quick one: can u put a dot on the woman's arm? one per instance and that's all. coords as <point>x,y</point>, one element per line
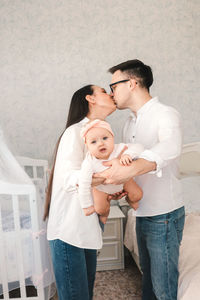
<point>69,158</point>
<point>84,185</point>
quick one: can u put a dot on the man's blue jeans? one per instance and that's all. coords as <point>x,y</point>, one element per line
<point>158,240</point>
<point>74,269</point>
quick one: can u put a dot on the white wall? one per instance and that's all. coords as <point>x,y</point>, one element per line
<point>50,48</point>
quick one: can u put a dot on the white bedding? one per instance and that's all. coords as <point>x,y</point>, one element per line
<point>189,261</point>
<point>8,220</point>
<point>9,236</point>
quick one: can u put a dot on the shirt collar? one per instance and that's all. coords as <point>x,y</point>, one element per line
<point>84,120</point>
<point>145,107</point>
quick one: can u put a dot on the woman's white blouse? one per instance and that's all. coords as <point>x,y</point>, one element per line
<point>67,221</point>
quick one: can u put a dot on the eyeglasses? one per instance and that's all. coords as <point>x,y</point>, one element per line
<point>112,84</point>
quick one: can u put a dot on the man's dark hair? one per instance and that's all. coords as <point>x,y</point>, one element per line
<point>136,69</point>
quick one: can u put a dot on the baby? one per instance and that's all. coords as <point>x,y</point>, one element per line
<point>99,139</point>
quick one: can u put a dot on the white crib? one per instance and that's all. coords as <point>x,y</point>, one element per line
<point>24,257</point>
<point>16,240</point>
<point>36,169</point>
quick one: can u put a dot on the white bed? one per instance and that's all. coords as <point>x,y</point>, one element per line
<point>189,260</point>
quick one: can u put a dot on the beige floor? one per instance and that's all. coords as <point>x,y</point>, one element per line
<point>109,285</point>
<point>118,284</point>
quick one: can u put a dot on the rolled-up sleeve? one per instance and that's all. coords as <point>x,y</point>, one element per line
<point>169,143</point>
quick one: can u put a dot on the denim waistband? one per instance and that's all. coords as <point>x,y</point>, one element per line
<point>177,213</point>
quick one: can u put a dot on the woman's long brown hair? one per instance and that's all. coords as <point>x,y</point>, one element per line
<point>78,110</point>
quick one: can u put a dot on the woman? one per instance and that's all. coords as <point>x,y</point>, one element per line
<point>74,237</point>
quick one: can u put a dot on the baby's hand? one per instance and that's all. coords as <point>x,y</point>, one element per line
<point>125,160</point>
<point>89,210</point>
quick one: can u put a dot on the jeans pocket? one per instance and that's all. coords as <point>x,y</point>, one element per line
<point>179,225</point>
<point>161,219</point>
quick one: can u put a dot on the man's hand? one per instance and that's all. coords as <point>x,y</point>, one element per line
<point>118,174</point>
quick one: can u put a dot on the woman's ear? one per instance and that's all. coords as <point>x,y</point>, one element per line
<point>90,98</point>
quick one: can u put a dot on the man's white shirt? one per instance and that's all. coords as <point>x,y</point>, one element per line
<point>158,128</point>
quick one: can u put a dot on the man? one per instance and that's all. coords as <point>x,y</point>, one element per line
<point>160,216</point>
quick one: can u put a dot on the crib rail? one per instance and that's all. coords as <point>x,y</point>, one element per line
<point>37,170</point>
<point>17,236</point>
<point>3,269</point>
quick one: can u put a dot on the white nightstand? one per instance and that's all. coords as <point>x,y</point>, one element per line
<point>111,256</point>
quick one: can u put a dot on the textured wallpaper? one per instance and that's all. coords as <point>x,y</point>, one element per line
<point>48,49</point>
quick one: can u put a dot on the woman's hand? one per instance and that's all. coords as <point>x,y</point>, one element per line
<point>89,210</point>
<point>117,196</point>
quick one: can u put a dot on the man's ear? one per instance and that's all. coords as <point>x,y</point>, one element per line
<point>90,98</point>
<point>133,83</point>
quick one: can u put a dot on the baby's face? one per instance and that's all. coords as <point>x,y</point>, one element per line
<point>100,142</point>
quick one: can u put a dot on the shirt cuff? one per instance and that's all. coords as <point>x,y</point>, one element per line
<point>86,201</point>
<point>153,157</point>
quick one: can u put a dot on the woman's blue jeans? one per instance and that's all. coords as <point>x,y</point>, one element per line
<point>74,269</point>
<point>159,238</point>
